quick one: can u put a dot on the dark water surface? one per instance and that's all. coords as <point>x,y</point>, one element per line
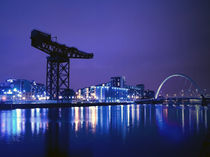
<point>123,130</point>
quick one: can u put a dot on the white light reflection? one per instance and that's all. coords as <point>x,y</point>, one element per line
<point>138,119</point>
<point>101,118</point>
<point>12,123</point>
<point>121,111</point>
<point>105,119</point>
<point>76,119</point>
<point>205,117</point>
<point>182,118</point>
<point>197,117</point>
<point>128,115</point>
<point>38,120</point>
<point>81,113</point>
<point>145,114</point>
<point>19,121</point>
<point>93,117</point>
<point>109,113</point>
<point>132,113</point>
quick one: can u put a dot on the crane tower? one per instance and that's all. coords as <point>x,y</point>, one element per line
<point>58,62</point>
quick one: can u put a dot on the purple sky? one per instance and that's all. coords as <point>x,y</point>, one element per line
<point>143,40</point>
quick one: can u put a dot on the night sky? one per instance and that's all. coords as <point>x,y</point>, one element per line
<point>144,40</point>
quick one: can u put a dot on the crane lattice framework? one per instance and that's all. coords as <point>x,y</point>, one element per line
<point>58,62</point>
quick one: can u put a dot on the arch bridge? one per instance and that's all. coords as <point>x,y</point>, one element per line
<point>177,75</point>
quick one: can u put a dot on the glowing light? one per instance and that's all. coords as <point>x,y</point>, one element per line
<point>10,80</point>
<point>4,98</point>
<point>9,92</point>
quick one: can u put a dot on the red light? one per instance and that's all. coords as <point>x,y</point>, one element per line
<point>4,98</point>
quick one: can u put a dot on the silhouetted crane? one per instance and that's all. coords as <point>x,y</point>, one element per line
<point>58,64</point>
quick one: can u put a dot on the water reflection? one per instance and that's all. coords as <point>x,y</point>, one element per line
<point>16,123</point>
<point>190,119</point>
<point>170,120</point>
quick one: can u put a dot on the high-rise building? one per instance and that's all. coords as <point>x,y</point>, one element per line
<point>118,81</point>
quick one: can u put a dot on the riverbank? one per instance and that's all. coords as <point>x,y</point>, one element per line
<point>55,105</point>
<point>58,104</point>
<point>64,104</point>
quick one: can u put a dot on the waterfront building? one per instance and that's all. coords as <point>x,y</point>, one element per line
<point>113,91</point>
<point>102,93</point>
<point>21,89</point>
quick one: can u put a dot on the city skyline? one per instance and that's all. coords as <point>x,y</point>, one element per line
<point>104,78</point>
<point>145,42</point>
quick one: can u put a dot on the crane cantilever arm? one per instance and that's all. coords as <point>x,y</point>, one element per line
<point>43,42</point>
<point>75,53</point>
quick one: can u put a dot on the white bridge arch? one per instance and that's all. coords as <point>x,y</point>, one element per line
<point>177,75</point>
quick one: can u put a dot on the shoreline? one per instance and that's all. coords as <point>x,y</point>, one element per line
<point>10,106</point>
<point>27,105</point>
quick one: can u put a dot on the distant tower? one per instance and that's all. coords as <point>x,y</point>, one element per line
<point>118,81</point>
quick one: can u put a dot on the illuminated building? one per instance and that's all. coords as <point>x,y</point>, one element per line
<point>113,91</point>
<point>20,89</point>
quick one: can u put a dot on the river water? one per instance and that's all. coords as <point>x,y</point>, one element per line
<point>122,130</point>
